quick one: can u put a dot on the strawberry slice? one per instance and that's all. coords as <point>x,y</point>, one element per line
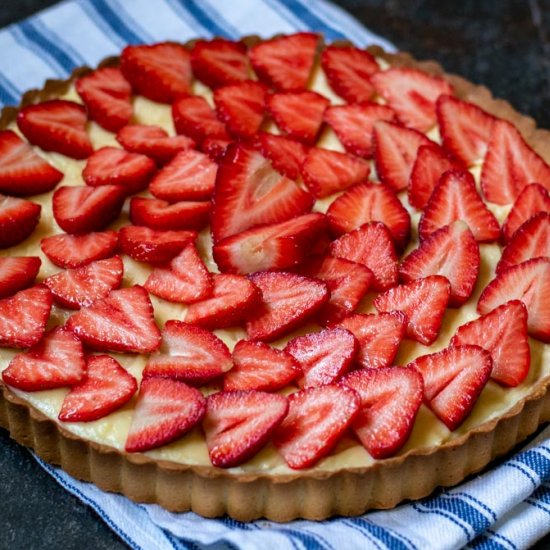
<point>190,354</point>
<point>106,94</point>
<point>114,166</point>
<point>166,409</point>
<point>503,333</point>
<point>83,209</point>
<point>528,282</point>
<point>317,419</point>
<point>17,273</point>
<point>395,149</point>
<point>57,125</point>
<point>260,367</point>
<point>22,171</point>
<point>510,164</point>
<point>70,251</point>
<point>18,219</point>
<point>190,176</point>
<point>105,389</point>
<point>453,380</point>
<point>23,317</point>
<point>214,148</point>
<point>270,60</point>
<point>348,71</point>
<point>75,288</point>
<point>324,357</point>
<point>286,155</point>
<point>412,94</point>
<point>372,246</point>
<point>163,216</point>
<point>238,424</point>
<point>326,172</point>
<point>455,198</point>
<point>379,336</point>
<point>193,117</point>
<point>57,360</point>
<point>287,300</point>
<point>160,72</point>
<point>123,321</point>
<point>452,252</point>
<point>353,125</point>
<point>390,400</point>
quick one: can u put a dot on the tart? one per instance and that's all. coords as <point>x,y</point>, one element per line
<point>237,286</point>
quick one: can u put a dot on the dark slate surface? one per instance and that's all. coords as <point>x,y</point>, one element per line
<point>504,45</point>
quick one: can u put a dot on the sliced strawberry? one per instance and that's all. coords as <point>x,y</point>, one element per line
<point>193,117</point>
<point>395,149</point>
<point>286,155</point>
<point>83,209</point>
<point>326,172</point>
<point>238,424</point>
<point>287,300</point>
<point>510,164</point>
<point>285,63</point>
<point>260,367</point>
<point>75,288</point>
<point>106,94</point>
<point>57,125</point>
<point>160,72</point>
<point>317,419</point>
<point>57,360</point>
<point>190,354</point>
<point>528,282</point>
<point>166,409</point>
<point>390,400</point>
<point>412,94</point>
<point>121,322</point>
<point>70,251</point>
<point>451,251</point>
<point>453,380</point>
<point>18,219</point>
<point>455,198</point>
<point>22,171</point>
<point>163,216</point>
<point>105,389</point>
<point>17,273</point>
<point>372,246</point>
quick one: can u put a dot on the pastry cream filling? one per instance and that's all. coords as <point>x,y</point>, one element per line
<point>191,449</point>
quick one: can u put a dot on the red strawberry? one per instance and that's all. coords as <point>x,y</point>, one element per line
<point>238,424</point>
<point>165,410</point>
<point>503,333</point>
<point>287,300</point>
<point>390,400</point>
<point>395,149</point>
<point>193,117</point>
<point>72,251</point>
<point>106,94</point>
<point>412,94</point>
<point>105,389</point>
<point>510,164</point>
<point>22,171</point>
<point>285,63</point>
<point>453,380</point>
<point>57,125</point>
<point>114,166</point>
<point>214,148</point>
<point>190,354</point>
<point>451,251</point>
<point>379,336</point>
<point>160,72</point>
<point>260,367</point>
<point>83,209</point>
<point>17,273</point>
<point>74,288</point>
<point>286,155</point>
<point>528,282</point>
<point>348,71</point>
<point>18,219</point>
<point>455,198</point>
<point>317,419</point>
<point>326,172</point>
<point>190,175</point>
<point>57,360</point>
<point>163,216</point>
<point>372,246</point>
<point>353,125</point>
<point>123,321</point>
